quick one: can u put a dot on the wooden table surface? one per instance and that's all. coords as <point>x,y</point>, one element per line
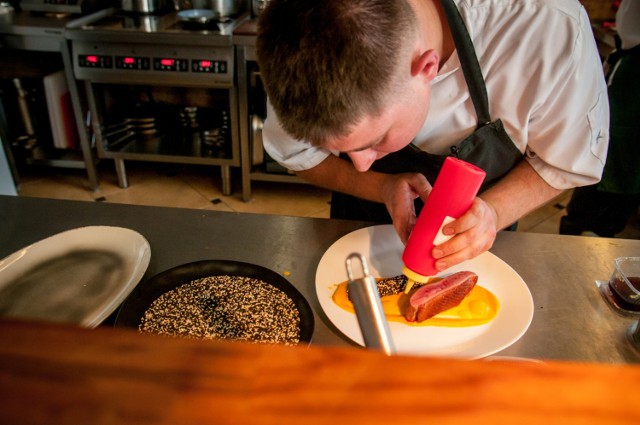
<point>59,374</point>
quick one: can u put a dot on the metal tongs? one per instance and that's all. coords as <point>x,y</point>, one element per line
<point>364,295</point>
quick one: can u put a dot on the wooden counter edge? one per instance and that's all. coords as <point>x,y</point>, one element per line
<point>59,374</point>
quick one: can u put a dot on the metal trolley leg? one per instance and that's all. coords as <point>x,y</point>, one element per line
<point>123,181</point>
<point>226,180</point>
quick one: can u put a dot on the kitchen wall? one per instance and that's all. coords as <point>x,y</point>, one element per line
<point>600,10</point>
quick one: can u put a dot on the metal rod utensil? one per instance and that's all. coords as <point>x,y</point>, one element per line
<point>365,297</point>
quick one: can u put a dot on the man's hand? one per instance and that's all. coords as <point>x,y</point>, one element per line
<point>475,231</point>
<point>519,192</point>
<point>399,192</point>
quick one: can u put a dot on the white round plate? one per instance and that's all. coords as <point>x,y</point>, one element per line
<point>79,276</point>
<point>383,249</point>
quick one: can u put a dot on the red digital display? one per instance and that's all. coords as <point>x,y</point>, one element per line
<point>95,61</point>
<point>206,64</point>
<point>129,61</point>
<point>167,62</point>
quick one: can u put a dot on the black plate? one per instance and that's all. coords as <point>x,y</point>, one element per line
<point>140,299</point>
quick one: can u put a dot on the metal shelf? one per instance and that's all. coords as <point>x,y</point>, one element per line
<point>59,158</point>
<point>180,148</point>
<point>183,146</point>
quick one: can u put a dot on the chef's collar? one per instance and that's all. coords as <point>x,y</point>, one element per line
<point>450,66</point>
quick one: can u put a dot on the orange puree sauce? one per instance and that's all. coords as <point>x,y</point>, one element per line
<point>478,308</point>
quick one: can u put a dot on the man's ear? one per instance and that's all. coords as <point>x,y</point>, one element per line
<point>426,64</point>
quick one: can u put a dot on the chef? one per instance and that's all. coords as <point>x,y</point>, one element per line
<point>367,97</point>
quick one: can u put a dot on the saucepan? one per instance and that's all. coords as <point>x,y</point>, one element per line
<point>134,308</point>
<point>257,6</point>
<point>147,6</point>
<point>198,16</point>
<point>223,8</point>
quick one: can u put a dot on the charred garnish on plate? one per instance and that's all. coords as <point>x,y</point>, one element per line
<point>391,285</point>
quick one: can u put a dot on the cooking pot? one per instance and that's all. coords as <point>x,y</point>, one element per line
<point>198,16</point>
<point>257,6</point>
<point>224,8</point>
<point>142,21</point>
<point>147,6</point>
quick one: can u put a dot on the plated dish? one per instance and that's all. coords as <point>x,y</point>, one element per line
<point>138,303</point>
<point>383,249</point>
<point>79,276</point>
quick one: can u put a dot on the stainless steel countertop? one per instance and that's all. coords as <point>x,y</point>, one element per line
<point>571,321</point>
<point>24,31</point>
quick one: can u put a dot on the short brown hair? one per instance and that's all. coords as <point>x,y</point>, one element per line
<point>328,63</point>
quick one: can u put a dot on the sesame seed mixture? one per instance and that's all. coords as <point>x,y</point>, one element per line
<point>392,285</point>
<point>225,307</point>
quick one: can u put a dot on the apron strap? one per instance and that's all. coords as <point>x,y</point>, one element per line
<point>469,61</point>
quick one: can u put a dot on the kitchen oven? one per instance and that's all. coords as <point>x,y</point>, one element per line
<point>160,88</point>
<point>256,163</point>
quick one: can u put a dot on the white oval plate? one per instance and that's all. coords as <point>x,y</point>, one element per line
<point>79,276</point>
<point>383,249</point>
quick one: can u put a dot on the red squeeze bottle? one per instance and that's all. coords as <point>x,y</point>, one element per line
<point>452,195</point>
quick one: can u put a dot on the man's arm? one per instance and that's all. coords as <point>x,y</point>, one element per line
<point>518,193</point>
<point>521,191</point>
<point>339,175</point>
<point>396,191</point>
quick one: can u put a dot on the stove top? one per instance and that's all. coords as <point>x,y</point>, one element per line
<point>23,22</point>
<point>114,47</point>
<point>151,23</point>
<point>79,7</point>
<point>117,26</point>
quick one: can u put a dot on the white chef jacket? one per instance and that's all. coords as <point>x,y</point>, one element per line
<point>628,23</point>
<point>544,80</point>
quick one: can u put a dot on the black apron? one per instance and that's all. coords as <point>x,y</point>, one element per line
<point>489,147</point>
